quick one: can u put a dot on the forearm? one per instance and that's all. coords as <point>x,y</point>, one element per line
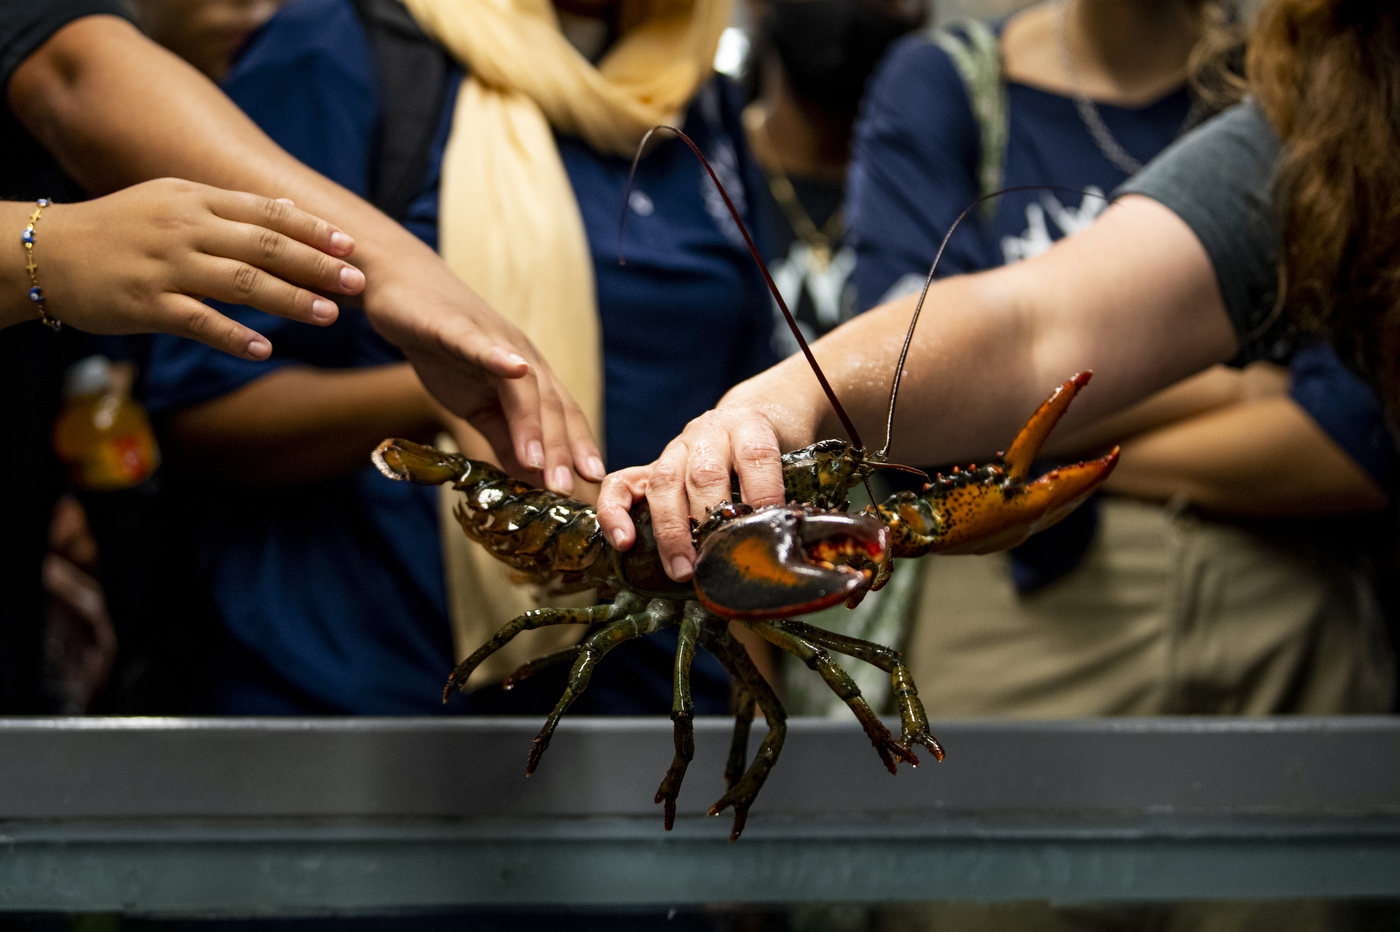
<point>298,425</point>
<point>111,125</point>
<point>990,347</point>
<point>1262,459</point>
<point>1216,388</point>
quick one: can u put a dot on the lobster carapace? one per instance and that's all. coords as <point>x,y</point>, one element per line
<point>761,567</point>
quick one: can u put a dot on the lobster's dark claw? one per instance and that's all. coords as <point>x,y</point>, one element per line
<point>784,560</point>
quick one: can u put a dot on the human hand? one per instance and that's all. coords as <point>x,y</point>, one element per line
<point>141,259</point>
<point>483,369</point>
<point>693,474</point>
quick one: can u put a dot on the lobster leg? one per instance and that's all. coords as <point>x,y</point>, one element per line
<point>912,717</point>
<point>536,618</point>
<point>743,790</point>
<point>658,614</point>
<point>890,750</point>
<point>739,743</point>
<point>683,714</point>
<point>530,668</point>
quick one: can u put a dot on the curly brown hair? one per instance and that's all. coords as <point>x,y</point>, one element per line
<point>1327,74</point>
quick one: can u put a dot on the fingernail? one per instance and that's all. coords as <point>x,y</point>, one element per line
<point>596,467</point>
<point>563,482</point>
<point>351,278</point>
<point>287,200</point>
<point>535,454</point>
<point>341,242</point>
<point>324,311</point>
<point>259,348</point>
<point>516,360</point>
<point>617,538</point>
<point>680,568</point>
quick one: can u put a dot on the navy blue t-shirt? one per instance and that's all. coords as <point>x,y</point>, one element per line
<point>915,168</point>
<point>333,593</point>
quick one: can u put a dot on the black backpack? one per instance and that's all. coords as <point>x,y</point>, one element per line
<point>411,76</point>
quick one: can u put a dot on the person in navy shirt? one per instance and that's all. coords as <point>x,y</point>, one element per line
<point>326,579</point>
<point>926,147</point>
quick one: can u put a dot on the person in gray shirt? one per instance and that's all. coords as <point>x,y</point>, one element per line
<point>1180,273</point>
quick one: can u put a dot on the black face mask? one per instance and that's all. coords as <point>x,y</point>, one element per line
<point>830,47</point>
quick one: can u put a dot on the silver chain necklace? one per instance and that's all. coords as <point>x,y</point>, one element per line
<point>1089,113</point>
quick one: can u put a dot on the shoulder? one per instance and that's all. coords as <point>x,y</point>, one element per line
<point>27,24</point>
<point>1219,180</point>
<point>308,35</point>
<point>1233,153</point>
<point>920,66</point>
<point>918,92</point>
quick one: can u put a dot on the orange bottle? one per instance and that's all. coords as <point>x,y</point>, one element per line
<point>102,434</point>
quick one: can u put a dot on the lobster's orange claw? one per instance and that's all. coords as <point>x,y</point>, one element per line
<point>784,560</point>
<point>1029,441</point>
<point>989,508</point>
<point>987,516</point>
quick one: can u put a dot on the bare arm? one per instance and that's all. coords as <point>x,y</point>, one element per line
<point>1133,298</point>
<point>1216,388</point>
<point>115,109</point>
<point>300,424</point>
<point>1264,458</point>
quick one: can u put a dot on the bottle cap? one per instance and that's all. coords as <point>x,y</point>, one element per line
<point>88,377</point>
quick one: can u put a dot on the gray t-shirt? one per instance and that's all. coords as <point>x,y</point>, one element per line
<point>1219,179</point>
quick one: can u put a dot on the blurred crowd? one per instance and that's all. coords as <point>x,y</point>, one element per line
<point>190,530</point>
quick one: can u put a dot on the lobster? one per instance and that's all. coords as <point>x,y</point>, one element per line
<point>760,567</point>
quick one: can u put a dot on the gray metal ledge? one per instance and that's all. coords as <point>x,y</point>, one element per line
<point>282,816</point>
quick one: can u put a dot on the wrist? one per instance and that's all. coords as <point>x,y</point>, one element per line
<point>26,225</point>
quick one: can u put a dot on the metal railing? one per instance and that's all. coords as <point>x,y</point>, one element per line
<point>266,816</point>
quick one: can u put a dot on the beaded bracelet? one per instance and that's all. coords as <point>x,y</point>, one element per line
<point>36,294</point>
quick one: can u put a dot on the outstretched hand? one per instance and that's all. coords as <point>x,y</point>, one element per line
<point>483,369</point>
<point>693,474</point>
<point>140,261</point>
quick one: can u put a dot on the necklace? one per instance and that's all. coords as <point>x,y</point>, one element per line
<point>821,243</point>
<point>1089,113</point>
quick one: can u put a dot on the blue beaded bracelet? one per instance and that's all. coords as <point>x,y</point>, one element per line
<point>36,294</point>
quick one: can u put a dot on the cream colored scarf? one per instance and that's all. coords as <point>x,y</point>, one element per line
<point>510,225</point>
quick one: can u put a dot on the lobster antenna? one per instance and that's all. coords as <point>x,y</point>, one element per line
<point>909,336</point>
<point>762,267</point>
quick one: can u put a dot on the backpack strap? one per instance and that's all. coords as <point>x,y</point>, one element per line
<point>976,54</point>
<point>411,76</point>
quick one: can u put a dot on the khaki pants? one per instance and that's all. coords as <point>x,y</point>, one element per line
<point>1167,614</point>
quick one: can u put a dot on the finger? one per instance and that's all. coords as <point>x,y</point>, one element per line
<point>620,491</point>
<point>494,428</point>
<point>759,463</point>
<point>282,216</point>
<point>237,282</point>
<point>520,405</point>
<point>504,362</point>
<point>707,473</point>
<point>183,316</point>
<point>558,458</point>
<point>588,459</point>
<point>670,511</point>
<point>281,255</point>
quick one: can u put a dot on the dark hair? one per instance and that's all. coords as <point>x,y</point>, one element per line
<point>1327,74</point>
